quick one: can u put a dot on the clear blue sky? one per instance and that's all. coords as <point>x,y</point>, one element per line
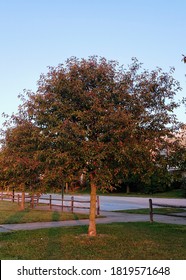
<point>35,34</point>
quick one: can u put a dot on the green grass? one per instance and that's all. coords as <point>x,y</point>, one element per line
<point>177,193</point>
<point>163,211</point>
<point>11,214</point>
<point>119,241</point>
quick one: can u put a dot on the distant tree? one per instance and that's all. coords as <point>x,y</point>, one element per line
<point>184,58</point>
<point>178,159</point>
<point>102,120</point>
<point>20,166</point>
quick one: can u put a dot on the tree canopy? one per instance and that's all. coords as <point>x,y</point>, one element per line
<point>20,164</point>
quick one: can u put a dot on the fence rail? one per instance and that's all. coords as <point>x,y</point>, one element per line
<point>151,209</point>
<point>35,200</point>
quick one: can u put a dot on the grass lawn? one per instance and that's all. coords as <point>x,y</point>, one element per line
<point>10,214</point>
<point>163,211</point>
<point>177,193</point>
<point>122,241</point>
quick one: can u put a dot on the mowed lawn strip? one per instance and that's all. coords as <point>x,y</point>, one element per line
<point>162,211</point>
<point>10,213</point>
<point>122,241</point>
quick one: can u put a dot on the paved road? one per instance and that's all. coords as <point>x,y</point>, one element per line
<point>112,203</point>
<point>124,203</point>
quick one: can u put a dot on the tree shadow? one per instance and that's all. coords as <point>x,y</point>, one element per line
<point>16,217</point>
<point>55,216</point>
<point>75,216</point>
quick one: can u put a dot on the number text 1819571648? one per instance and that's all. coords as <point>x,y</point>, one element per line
<point>140,270</point>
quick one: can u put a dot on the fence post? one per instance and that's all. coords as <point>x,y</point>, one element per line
<point>32,201</point>
<point>150,210</point>
<point>72,204</point>
<point>62,204</point>
<point>13,194</point>
<point>50,201</point>
<point>37,199</point>
<point>98,206</point>
<point>18,198</point>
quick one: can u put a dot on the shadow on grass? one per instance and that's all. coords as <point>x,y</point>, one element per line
<point>75,216</point>
<point>55,216</point>
<point>16,217</point>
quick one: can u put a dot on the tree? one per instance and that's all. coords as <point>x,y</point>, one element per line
<point>178,158</point>
<point>20,166</point>
<point>101,119</point>
<point>184,58</point>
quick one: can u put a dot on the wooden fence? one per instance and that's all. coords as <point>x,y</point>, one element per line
<point>65,204</point>
<point>151,209</point>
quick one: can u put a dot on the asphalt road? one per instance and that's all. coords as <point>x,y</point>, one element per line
<point>111,203</point>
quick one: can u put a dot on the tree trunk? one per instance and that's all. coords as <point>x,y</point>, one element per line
<point>92,216</point>
<point>23,201</point>
<point>128,189</point>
